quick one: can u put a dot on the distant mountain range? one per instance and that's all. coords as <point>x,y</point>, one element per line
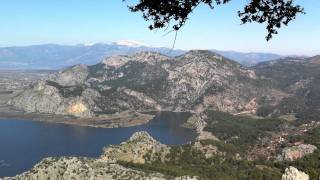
<point>52,56</point>
<point>248,59</point>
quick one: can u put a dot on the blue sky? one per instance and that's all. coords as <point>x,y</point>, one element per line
<point>26,22</point>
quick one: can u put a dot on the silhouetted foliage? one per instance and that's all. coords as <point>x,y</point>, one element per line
<point>274,13</point>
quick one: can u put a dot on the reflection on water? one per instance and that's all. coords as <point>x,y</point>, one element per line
<point>23,143</point>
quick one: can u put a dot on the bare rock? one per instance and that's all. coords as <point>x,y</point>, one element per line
<point>198,123</point>
<point>40,98</point>
<point>143,98</point>
<point>206,135</point>
<point>195,122</point>
<point>46,98</point>
<point>82,168</point>
<point>140,148</point>
<point>78,108</point>
<point>72,76</point>
<point>296,152</point>
<point>208,150</point>
<point>293,173</point>
<point>148,57</point>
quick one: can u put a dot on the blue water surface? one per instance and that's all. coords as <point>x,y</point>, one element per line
<point>23,143</point>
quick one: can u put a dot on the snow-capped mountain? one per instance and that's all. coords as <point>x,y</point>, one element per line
<point>130,43</point>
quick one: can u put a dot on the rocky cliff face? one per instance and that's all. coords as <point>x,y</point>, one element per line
<point>106,167</point>
<point>147,81</point>
<point>43,97</point>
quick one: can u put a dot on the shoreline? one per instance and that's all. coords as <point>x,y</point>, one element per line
<point>117,120</point>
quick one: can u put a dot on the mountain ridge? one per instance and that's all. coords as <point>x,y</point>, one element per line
<point>54,56</point>
<point>299,78</point>
<point>147,81</point>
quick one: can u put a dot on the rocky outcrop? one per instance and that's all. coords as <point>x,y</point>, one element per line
<point>43,97</point>
<point>296,152</point>
<point>75,75</point>
<point>140,148</point>
<point>198,123</point>
<point>195,122</point>
<point>206,135</point>
<point>148,57</point>
<point>40,98</point>
<point>293,173</point>
<point>147,81</point>
<point>143,98</point>
<point>208,150</point>
<point>82,168</point>
<point>106,167</point>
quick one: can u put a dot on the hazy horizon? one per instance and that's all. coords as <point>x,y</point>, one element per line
<point>147,45</point>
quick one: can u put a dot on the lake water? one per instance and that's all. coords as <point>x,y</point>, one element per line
<point>23,143</point>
